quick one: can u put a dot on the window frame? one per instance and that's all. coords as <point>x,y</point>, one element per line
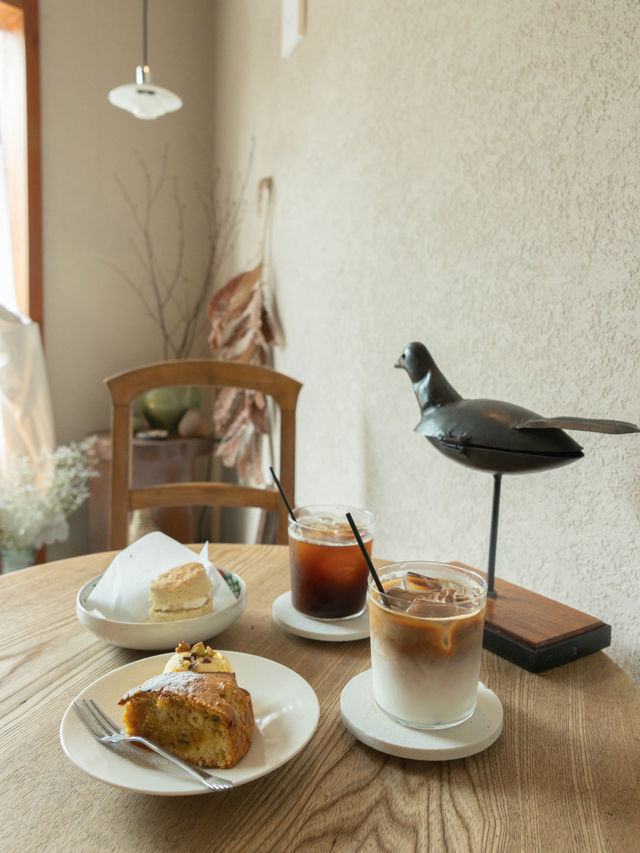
<point>31,23</point>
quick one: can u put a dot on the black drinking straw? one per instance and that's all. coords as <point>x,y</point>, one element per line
<point>365,553</point>
<point>281,490</point>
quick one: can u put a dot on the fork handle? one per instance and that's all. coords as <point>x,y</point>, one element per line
<point>213,782</point>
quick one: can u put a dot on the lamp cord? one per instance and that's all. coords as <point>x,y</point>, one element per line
<point>144,33</point>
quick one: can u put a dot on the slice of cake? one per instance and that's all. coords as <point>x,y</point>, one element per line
<point>202,717</point>
<point>181,593</point>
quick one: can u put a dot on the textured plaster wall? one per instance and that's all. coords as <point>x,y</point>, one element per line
<point>464,174</point>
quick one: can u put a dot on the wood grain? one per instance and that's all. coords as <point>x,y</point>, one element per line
<point>534,619</point>
<point>563,776</point>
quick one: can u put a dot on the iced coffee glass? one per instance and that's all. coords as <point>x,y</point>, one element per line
<point>328,571</point>
<point>426,642</point>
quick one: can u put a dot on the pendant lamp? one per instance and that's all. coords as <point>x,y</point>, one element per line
<point>141,98</point>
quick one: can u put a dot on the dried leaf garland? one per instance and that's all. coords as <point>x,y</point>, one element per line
<point>227,406</point>
<point>254,458</point>
<point>238,333</point>
<point>228,304</point>
<point>243,330</point>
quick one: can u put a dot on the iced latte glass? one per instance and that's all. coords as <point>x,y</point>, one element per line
<point>426,642</point>
<point>328,571</point>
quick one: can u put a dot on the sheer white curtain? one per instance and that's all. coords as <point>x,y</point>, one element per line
<point>8,296</point>
<point>26,420</point>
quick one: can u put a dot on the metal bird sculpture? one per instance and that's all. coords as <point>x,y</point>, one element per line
<point>490,435</point>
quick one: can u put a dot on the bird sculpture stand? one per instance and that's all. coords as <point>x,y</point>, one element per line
<point>522,626</point>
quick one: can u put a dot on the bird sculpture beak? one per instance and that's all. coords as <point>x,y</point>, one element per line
<point>398,362</point>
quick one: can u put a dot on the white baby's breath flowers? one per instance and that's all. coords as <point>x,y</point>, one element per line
<point>37,498</point>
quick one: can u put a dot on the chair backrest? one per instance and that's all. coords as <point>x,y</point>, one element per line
<point>126,386</point>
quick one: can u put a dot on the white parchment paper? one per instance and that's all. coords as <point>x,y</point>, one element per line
<point>122,593</point>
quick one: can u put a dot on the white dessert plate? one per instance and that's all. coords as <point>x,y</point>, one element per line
<point>286,714</point>
<point>158,636</point>
<point>329,630</point>
<point>365,720</point>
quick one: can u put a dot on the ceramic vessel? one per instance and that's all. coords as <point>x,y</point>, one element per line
<point>164,407</point>
<point>17,558</point>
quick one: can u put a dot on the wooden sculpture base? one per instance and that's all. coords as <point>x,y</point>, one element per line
<point>537,633</point>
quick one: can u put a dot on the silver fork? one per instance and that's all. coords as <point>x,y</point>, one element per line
<point>103,729</point>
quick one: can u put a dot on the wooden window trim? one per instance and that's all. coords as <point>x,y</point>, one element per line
<point>29,9</point>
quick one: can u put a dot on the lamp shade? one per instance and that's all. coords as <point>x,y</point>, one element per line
<point>142,98</point>
<point>144,101</point>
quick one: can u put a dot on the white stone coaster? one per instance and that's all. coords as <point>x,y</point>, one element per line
<point>328,630</point>
<point>365,720</point>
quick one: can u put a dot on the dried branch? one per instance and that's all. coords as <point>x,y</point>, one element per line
<point>174,300</point>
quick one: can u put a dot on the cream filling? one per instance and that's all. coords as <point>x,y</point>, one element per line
<point>191,604</point>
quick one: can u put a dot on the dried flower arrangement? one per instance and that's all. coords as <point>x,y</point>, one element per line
<point>243,326</point>
<point>37,498</point>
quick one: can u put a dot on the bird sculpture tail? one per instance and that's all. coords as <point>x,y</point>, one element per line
<point>586,424</point>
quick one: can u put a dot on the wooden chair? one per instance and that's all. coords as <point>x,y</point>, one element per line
<point>126,386</point>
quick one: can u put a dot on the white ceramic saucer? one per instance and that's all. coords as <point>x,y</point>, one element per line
<point>365,720</point>
<point>329,630</point>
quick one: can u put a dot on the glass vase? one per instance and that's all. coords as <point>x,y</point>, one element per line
<point>17,558</point>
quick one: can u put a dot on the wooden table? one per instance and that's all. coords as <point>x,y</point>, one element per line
<point>563,776</point>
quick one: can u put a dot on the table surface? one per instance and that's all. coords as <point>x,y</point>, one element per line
<point>563,776</point>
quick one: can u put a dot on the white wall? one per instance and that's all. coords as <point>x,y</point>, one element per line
<point>94,323</point>
<point>462,174</point>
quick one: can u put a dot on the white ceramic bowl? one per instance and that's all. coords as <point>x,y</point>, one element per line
<point>158,636</point>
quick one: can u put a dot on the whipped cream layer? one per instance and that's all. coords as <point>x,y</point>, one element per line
<point>189,604</point>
